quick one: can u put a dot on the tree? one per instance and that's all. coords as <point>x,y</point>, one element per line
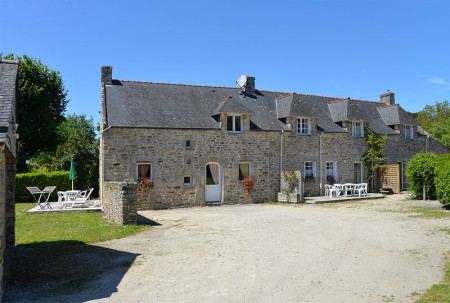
<point>421,173</point>
<point>40,109</point>
<point>435,119</point>
<point>373,159</point>
<point>78,142</point>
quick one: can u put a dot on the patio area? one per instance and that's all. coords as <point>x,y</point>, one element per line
<point>58,207</point>
<point>328,199</point>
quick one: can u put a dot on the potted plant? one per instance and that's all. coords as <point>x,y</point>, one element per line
<point>144,184</point>
<point>248,183</point>
<point>309,178</point>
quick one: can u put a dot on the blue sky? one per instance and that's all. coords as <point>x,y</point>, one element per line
<point>356,49</point>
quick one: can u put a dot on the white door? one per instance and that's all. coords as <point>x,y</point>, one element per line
<point>213,187</point>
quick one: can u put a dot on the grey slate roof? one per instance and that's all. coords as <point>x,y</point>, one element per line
<point>230,105</point>
<point>8,77</point>
<point>394,115</point>
<point>179,106</point>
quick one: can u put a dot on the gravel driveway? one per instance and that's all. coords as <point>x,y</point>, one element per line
<point>367,251</point>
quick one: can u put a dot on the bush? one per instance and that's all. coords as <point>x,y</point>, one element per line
<point>60,179</point>
<point>421,170</point>
<point>442,179</point>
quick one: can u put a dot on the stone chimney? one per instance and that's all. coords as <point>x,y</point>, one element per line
<point>250,85</point>
<point>387,98</point>
<point>107,75</point>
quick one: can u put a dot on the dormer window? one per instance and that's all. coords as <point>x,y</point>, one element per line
<point>304,126</point>
<point>357,129</point>
<point>408,132</point>
<point>234,123</point>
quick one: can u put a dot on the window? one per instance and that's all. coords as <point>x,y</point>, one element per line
<point>144,170</point>
<point>188,144</point>
<point>409,132</point>
<point>234,124</point>
<point>187,180</point>
<point>310,170</point>
<point>244,170</point>
<point>357,129</point>
<point>330,167</point>
<point>304,126</point>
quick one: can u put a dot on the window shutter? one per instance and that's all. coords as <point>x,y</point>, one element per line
<point>314,169</point>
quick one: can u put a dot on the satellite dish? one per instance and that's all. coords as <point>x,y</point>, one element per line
<point>242,81</point>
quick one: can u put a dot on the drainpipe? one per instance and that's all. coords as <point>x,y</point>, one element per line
<point>320,163</point>
<point>281,156</point>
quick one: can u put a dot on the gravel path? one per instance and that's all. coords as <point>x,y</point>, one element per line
<point>367,251</point>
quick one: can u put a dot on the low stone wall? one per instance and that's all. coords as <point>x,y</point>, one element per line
<point>120,202</point>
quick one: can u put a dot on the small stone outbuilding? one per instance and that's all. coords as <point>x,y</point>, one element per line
<point>8,139</point>
<point>197,143</point>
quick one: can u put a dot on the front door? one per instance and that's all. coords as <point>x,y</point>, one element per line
<point>213,187</point>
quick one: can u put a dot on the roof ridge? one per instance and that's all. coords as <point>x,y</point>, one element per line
<point>9,61</point>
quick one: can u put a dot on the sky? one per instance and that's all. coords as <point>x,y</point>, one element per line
<point>341,48</point>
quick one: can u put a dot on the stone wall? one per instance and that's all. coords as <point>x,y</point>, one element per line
<point>3,194</point>
<point>172,160</point>
<point>120,202</point>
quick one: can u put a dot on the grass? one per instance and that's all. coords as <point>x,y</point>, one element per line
<point>86,227</point>
<point>428,212</point>
<point>54,252</point>
<point>439,292</point>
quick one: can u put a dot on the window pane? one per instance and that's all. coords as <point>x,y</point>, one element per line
<point>143,171</point>
<point>237,123</point>
<point>244,170</point>
<point>230,123</point>
<point>187,180</point>
<point>212,174</point>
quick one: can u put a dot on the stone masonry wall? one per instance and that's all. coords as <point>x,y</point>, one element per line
<point>171,160</point>
<point>120,202</point>
<point>3,194</point>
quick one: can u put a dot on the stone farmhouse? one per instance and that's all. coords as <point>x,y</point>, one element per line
<point>8,137</point>
<point>197,143</point>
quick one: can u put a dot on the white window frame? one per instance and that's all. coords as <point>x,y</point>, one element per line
<point>304,126</point>
<point>187,183</point>
<point>312,171</point>
<point>249,169</point>
<point>358,129</point>
<point>408,132</point>
<point>150,170</point>
<point>233,125</point>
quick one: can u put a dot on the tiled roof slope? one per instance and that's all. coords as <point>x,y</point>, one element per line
<point>178,106</point>
<point>8,77</point>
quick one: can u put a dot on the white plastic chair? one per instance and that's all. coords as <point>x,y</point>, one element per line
<point>81,201</point>
<point>330,190</point>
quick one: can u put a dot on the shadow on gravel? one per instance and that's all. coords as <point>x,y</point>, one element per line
<point>141,220</point>
<point>42,272</point>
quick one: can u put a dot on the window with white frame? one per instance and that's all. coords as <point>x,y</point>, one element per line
<point>234,123</point>
<point>330,168</point>
<point>304,126</point>
<point>409,132</point>
<point>187,180</point>
<point>357,129</point>
<point>244,170</point>
<point>310,170</point>
<point>144,171</point>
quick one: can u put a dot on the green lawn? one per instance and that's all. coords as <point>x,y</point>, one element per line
<point>86,227</point>
<point>55,252</point>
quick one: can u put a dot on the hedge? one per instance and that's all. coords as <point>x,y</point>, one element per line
<point>442,179</point>
<point>60,179</point>
<point>420,169</point>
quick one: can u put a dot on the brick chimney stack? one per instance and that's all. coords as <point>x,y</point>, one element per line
<point>107,75</point>
<point>388,98</point>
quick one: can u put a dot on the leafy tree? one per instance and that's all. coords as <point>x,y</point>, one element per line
<point>373,159</point>
<point>421,173</point>
<point>435,119</point>
<point>442,179</point>
<point>41,107</point>
<point>78,142</point>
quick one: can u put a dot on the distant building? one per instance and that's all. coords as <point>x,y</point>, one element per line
<point>198,142</point>
<point>8,137</point>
